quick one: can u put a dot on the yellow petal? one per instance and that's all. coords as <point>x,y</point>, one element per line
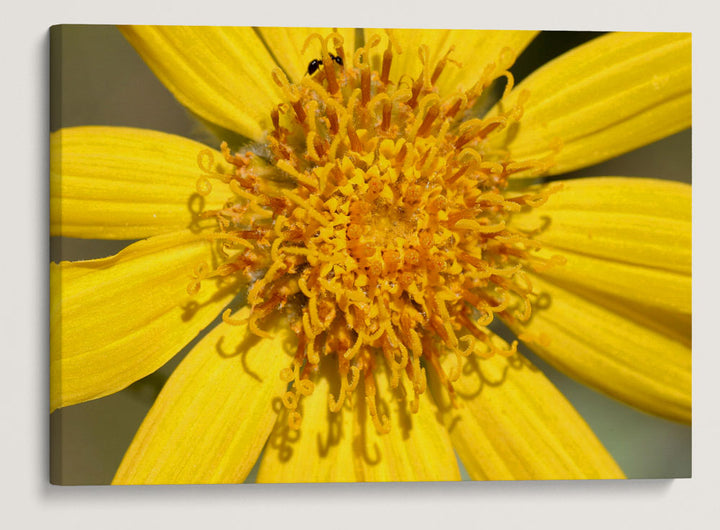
<point>417,447</point>
<point>321,450</point>
<point>475,49</point>
<point>211,420</point>
<point>513,424</point>
<point>345,446</point>
<point>118,319</point>
<point>653,288</point>
<point>123,183</point>
<point>286,45</point>
<point>611,95</point>
<point>617,348</point>
<point>632,220</point>
<point>472,49</point>
<point>222,74</point>
<point>629,238</point>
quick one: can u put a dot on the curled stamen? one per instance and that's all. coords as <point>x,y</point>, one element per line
<point>305,387</point>
<point>381,97</point>
<point>375,219</point>
<point>289,399</point>
<point>392,40</point>
<point>206,160</point>
<point>469,340</point>
<point>363,53</point>
<point>294,420</point>
<point>203,186</point>
<point>233,321</point>
<point>509,85</point>
<point>382,424</point>
<point>252,325</point>
<point>506,58</point>
<point>338,41</point>
<point>441,65</point>
<point>355,378</point>
<point>359,55</point>
<point>402,95</point>
<point>355,348</point>
<point>425,117</point>
<point>312,355</point>
<point>455,371</point>
<point>333,404</point>
<point>319,38</point>
<point>288,374</point>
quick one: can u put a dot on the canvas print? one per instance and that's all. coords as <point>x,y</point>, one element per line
<point>366,255</point>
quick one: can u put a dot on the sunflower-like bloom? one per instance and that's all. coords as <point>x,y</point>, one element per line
<point>382,215</point>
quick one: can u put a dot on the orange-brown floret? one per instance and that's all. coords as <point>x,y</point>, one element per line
<point>377,224</point>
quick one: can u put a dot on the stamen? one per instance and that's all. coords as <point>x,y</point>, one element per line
<point>386,63</point>
<point>441,65</point>
<point>378,224</point>
<point>233,321</point>
<point>382,424</point>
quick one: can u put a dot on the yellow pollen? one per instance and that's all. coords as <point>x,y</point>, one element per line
<point>377,225</point>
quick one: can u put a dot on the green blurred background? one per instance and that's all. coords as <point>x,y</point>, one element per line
<point>98,79</point>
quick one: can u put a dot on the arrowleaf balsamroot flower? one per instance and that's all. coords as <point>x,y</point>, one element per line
<point>375,226</point>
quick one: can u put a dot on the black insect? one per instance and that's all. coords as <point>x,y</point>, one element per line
<point>313,66</point>
<point>315,63</point>
<point>337,59</point>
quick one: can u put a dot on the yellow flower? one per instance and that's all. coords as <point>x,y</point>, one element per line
<point>376,225</point>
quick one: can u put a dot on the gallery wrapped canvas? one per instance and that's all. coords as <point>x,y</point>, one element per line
<point>345,255</point>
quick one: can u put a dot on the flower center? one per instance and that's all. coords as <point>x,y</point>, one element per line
<point>376,221</point>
